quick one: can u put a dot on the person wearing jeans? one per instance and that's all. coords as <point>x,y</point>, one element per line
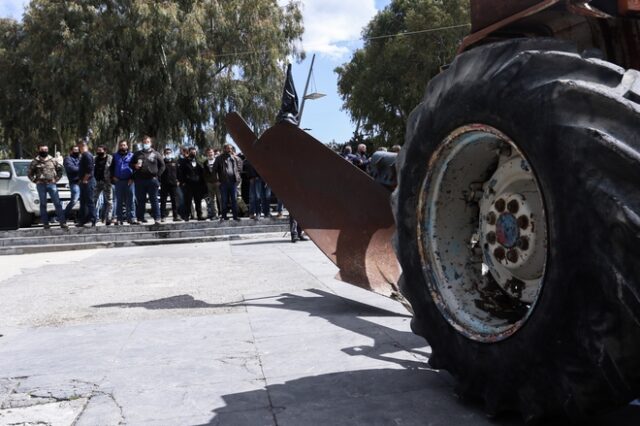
<point>71,164</point>
<point>121,176</point>
<point>87,216</point>
<point>227,167</point>
<point>148,166</point>
<point>45,171</point>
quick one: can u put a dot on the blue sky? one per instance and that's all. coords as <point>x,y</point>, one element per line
<point>333,30</point>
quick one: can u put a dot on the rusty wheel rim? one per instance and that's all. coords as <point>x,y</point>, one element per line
<point>482,233</point>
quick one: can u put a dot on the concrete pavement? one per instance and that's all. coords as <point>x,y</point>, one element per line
<point>250,332</point>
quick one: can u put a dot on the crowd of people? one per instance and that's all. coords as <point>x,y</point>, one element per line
<point>125,181</point>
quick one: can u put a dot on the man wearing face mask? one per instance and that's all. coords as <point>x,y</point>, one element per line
<point>71,164</point>
<point>169,186</point>
<point>148,166</point>
<point>44,171</point>
<point>191,182</point>
<point>102,173</point>
<point>87,214</point>
<point>122,177</point>
<point>228,167</point>
<point>211,180</point>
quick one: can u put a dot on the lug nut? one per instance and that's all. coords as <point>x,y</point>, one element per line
<point>491,218</point>
<point>512,256</point>
<point>523,222</point>
<point>513,206</point>
<point>491,238</point>
<point>500,205</point>
<point>523,243</point>
<point>499,253</point>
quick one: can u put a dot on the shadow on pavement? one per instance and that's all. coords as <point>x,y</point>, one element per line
<point>373,397</point>
<point>184,301</point>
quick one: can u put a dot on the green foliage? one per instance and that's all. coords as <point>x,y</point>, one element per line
<point>386,79</point>
<point>122,68</point>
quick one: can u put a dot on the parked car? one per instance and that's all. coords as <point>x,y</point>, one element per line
<point>14,181</point>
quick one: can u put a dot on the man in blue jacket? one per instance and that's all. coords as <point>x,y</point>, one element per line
<point>71,164</point>
<point>122,178</point>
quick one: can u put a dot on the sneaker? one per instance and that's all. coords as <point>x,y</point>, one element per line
<point>177,219</point>
<point>156,222</point>
<point>293,239</point>
<point>120,222</point>
<point>279,215</point>
<point>162,220</point>
<point>46,226</point>
<point>64,226</point>
<point>302,238</point>
<point>108,223</point>
<point>134,222</point>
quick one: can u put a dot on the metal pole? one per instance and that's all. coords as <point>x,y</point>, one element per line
<point>306,88</point>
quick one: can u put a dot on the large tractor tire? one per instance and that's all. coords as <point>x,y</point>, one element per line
<point>518,215</point>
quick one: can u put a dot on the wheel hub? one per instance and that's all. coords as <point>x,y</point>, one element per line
<point>483,233</point>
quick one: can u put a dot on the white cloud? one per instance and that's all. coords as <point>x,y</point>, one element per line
<point>329,24</point>
<point>12,8</point>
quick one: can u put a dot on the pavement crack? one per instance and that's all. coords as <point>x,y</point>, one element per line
<point>272,407</point>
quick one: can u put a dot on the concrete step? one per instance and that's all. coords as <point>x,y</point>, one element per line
<point>169,225</point>
<point>47,248</point>
<point>56,239</point>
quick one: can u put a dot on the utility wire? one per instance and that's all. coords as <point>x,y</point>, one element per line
<point>429,30</point>
<point>407,33</point>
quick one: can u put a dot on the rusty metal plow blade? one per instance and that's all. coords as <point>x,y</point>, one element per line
<point>346,214</point>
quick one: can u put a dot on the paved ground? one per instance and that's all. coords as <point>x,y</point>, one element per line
<point>229,333</point>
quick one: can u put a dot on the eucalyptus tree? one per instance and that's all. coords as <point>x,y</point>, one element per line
<point>387,77</point>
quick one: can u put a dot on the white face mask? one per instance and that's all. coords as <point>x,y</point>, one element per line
<point>146,146</point>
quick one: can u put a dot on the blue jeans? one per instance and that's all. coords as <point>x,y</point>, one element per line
<point>74,188</point>
<point>124,201</point>
<point>229,190</point>
<point>52,190</point>
<point>259,194</point>
<point>87,212</point>
<point>144,188</point>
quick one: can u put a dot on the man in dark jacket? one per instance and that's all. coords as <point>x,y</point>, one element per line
<point>122,177</point>
<point>71,163</point>
<point>210,178</point>
<point>102,173</point>
<point>147,165</point>
<point>192,183</point>
<point>87,214</point>
<point>360,159</point>
<point>227,167</point>
<point>169,186</point>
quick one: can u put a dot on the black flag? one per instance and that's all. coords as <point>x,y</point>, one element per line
<point>289,109</point>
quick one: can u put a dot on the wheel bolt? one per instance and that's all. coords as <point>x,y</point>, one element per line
<point>491,218</point>
<point>523,243</point>
<point>491,238</point>
<point>500,205</point>
<point>523,222</point>
<point>513,206</point>
<point>499,253</point>
<point>512,256</point>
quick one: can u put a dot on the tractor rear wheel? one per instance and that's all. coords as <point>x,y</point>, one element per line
<point>518,216</point>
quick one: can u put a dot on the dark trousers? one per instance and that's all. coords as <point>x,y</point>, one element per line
<point>144,188</point>
<point>294,228</point>
<point>229,193</point>
<point>87,213</point>
<point>192,193</point>
<point>169,191</point>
